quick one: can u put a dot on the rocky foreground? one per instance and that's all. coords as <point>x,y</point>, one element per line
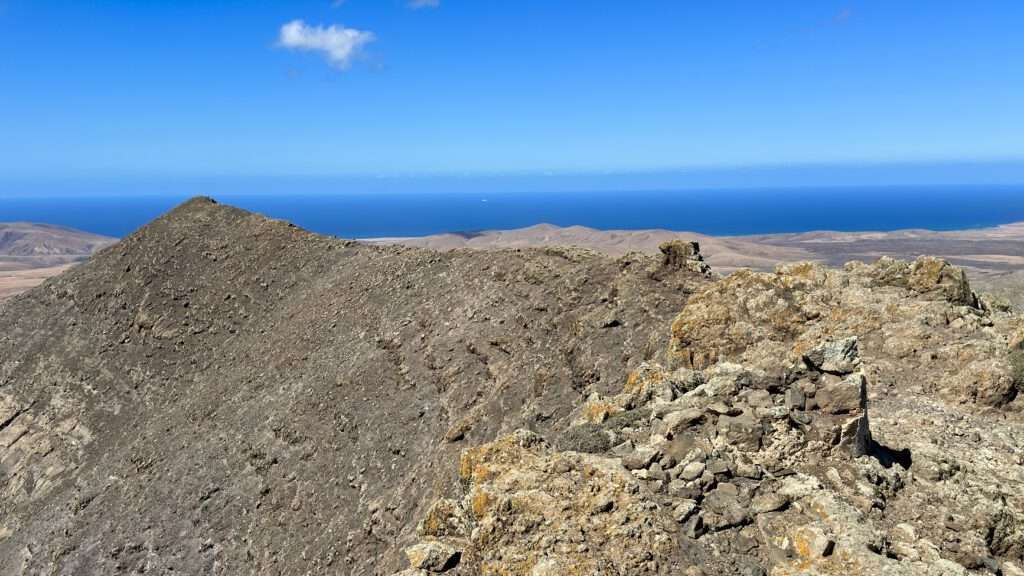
<point>223,394</point>
<point>810,421</point>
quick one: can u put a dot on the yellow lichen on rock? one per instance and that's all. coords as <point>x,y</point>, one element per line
<point>597,411</point>
<point>535,509</point>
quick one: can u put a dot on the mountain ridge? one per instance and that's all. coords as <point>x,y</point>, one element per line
<point>992,256</point>
<point>311,379</point>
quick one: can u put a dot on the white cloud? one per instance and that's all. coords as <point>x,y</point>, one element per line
<point>424,3</point>
<point>339,44</point>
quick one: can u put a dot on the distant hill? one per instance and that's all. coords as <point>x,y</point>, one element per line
<point>30,253</point>
<point>29,240</point>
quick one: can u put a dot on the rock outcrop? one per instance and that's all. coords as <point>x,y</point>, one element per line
<point>682,255</point>
<point>918,323</point>
<point>755,453</point>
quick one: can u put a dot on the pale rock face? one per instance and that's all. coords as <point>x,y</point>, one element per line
<point>840,357</point>
<point>1011,569</point>
<point>692,471</point>
<point>433,557</point>
<point>39,442</point>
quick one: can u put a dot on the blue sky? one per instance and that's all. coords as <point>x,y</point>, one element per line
<point>201,88</point>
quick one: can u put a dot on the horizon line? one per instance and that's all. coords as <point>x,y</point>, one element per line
<point>1012,161</point>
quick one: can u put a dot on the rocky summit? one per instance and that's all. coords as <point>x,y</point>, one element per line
<point>221,393</point>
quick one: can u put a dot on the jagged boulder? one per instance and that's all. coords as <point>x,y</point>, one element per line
<point>930,275</point>
<point>734,473</point>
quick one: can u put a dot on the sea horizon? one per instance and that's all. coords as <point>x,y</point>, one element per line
<point>709,211</point>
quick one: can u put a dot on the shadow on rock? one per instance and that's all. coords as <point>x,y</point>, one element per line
<point>888,456</point>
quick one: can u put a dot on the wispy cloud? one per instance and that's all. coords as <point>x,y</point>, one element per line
<point>337,43</point>
<point>842,16</point>
<point>424,3</point>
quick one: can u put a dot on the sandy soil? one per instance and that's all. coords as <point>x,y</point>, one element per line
<point>15,281</point>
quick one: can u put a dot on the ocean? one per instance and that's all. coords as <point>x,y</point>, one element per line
<point>716,212</point>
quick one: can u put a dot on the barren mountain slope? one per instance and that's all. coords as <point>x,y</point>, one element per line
<point>220,393</point>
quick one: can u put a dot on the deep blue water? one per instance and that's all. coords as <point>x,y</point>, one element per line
<point>717,212</point>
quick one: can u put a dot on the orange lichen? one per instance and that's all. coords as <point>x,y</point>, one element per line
<point>480,502</point>
<point>466,464</point>
<point>631,382</point>
<point>599,411</point>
